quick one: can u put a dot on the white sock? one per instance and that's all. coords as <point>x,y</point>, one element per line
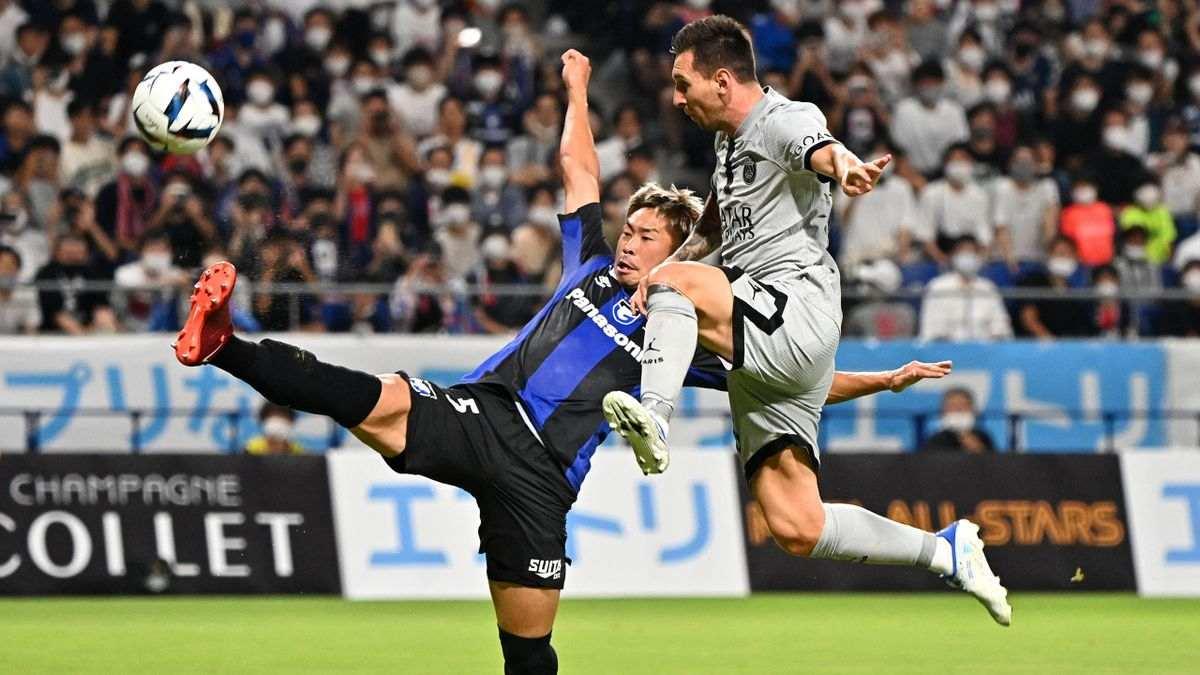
<point>671,337</point>
<point>943,558</point>
<point>855,534</point>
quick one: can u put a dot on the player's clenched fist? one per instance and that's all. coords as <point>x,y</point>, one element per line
<point>577,69</point>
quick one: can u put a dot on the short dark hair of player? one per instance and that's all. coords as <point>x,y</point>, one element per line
<point>717,42</point>
<point>680,208</point>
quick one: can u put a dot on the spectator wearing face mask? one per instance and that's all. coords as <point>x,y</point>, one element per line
<point>927,124</point>
<point>19,234</point>
<point>1089,223</point>
<point>64,306</point>
<point>998,93</point>
<point>953,207</point>
<point>390,150</point>
<point>1138,274</point>
<point>858,116</point>
<point>1050,317</point>
<point>960,431</point>
<point>261,114</point>
<point>990,158</point>
<point>183,217</point>
<point>236,60</point>
<point>495,312</point>
<point>492,111</point>
<point>1026,209</point>
<point>879,316</point>
<point>1118,172</point>
<point>889,55</point>
<point>1149,213</point>
<point>964,70</point>
<point>1177,168</point>
<point>125,206</point>
<point>456,234</point>
<point>1076,127</point>
<point>150,310</point>
<point>1145,116</point>
<point>959,305</point>
<point>1111,315</point>
<point>277,424</point>
<point>496,203</point>
<point>19,312</point>
<point>418,96</point>
<point>88,159</point>
<point>1181,318</point>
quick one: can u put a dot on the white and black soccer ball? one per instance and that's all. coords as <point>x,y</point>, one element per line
<point>177,107</point>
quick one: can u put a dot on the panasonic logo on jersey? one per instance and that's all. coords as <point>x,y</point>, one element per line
<point>610,331</point>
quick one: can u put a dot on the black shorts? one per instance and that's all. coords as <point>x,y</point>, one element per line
<point>472,436</point>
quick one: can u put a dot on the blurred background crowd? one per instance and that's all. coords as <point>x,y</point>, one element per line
<point>390,166</point>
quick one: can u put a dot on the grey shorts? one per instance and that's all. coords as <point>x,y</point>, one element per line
<point>785,336</point>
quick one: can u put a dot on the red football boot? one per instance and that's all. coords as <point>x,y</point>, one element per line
<point>209,325</point>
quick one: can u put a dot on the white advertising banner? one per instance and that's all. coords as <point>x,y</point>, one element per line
<point>674,535</point>
<point>1162,498</point>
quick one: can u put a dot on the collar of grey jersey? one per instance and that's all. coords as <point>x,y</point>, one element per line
<point>770,97</point>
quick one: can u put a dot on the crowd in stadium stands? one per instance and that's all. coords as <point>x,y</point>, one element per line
<point>411,144</point>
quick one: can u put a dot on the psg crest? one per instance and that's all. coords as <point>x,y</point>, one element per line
<point>749,172</point>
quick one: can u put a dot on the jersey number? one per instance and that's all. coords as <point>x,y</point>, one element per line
<point>462,405</point>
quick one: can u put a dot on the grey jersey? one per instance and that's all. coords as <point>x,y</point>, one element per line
<point>774,208</point>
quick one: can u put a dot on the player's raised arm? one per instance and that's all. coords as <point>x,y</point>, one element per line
<point>854,175</point>
<point>577,150</point>
<point>847,386</point>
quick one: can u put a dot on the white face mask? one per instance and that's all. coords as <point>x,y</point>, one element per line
<point>972,58</point>
<point>381,57</point>
<point>959,171</point>
<point>363,85</point>
<point>74,44</point>
<point>1151,58</point>
<point>438,178</point>
<point>1084,195</point>
<point>493,176</point>
<point>362,172</point>
<point>260,92</point>
<point>454,214</point>
<point>1115,138</point>
<point>1135,252</point>
<point>337,66</point>
<point>966,263</point>
<point>997,91</point>
<point>1191,281</point>
<point>317,37</point>
<point>495,248</point>
<point>489,82</point>
<point>1108,289</point>
<point>1062,267</point>
<point>307,125</point>
<point>1096,48</point>
<point>135,164</point>
<point>277,428</point>
<point>157,261</point>
<point>1140,92</point>
<point>1147,196</point>
<point>543,215</point>
<point>1085,100</point>
<point>986,13</point>
<point>274,36</point>
<point>420,76</point>
<point>958,421</point>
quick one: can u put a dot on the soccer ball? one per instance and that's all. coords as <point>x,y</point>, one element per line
<point>177,107</point>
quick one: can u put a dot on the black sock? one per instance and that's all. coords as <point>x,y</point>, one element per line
<point>290,376</point>
<point>528,656</point>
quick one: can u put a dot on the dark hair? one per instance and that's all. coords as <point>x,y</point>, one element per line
<point>955,147</point>
<point>717,42</point>
<point>8,250</point>
<point>415,56</point>
<point>960,391</point>
<point>130,141</point>
<point>156,234</point>
<point>268,409</point>
<point>929,70</point>
<point>79,105</point>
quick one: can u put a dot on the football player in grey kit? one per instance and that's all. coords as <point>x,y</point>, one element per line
<point>773,310</point>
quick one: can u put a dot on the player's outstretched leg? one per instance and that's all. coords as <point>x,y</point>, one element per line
<point>686,303</point>
<point>785,487</point>
<point>282,373</point>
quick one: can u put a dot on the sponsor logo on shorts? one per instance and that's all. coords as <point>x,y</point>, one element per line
<point>623,313</point>
<point>422,387</point>
<point>580,300</point>
<point>546,569</point>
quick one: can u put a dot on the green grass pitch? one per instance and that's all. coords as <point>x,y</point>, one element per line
<point>771,633</point>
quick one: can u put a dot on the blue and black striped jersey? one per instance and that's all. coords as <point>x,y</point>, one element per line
<point>585,342</point>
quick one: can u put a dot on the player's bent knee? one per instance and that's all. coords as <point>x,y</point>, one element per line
<point>796,533</point>
<point>385,430</point>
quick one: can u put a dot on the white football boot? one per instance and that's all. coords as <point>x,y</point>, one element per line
<point>972,572</point>
<point>642,430</point>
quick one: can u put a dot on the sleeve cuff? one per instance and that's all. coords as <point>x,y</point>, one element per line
<point>813,148</point>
